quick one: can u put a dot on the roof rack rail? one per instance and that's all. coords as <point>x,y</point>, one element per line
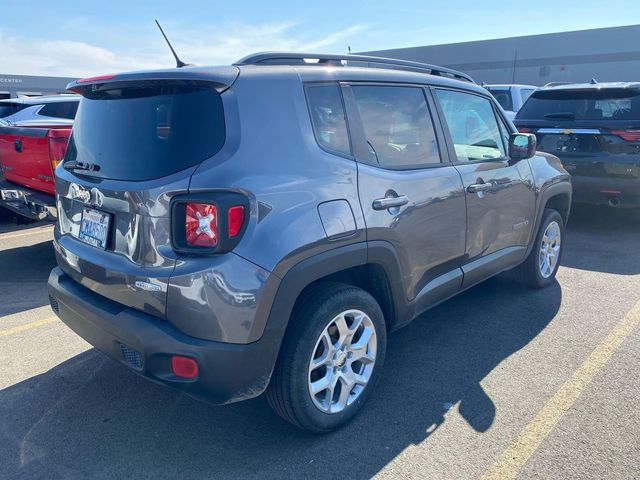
<point>557,84</point>
<point>294,58</point>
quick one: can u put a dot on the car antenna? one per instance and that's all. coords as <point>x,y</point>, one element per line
<point>179,63</point>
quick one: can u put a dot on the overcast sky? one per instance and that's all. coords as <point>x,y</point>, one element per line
<point>79,38</point>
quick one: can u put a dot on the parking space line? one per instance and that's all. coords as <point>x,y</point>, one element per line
<point>25,234</point>
<point>27,326</point>
<point>516,455</point>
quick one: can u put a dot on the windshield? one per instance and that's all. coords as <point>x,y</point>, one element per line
<point>591,104</point>
<point>149,132</point>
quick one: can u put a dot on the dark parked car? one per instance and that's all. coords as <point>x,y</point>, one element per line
<point>262,226</point>
<point>595,131</point>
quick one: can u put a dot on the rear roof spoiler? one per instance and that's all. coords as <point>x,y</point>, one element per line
<point>221,77</point>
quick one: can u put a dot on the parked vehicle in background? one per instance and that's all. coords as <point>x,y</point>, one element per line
<point>261,226</point>
<point>43,110</point>
<point>29,153</point>
<point>511,97</point>
<point>594,129</point>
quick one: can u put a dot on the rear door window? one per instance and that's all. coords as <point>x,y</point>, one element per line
<point>328,117</point>
<point>397,125</point>
<point>147,132</point>
<point>586,104</point>
<point>59,110</point>
<point>472,125</point>
<point>9,108</point>
<point>503,97</point>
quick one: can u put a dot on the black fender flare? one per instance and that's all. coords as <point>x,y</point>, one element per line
<point>559,188</point>
<point>316,267</point>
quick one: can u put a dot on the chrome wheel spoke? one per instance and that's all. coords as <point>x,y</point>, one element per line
<point>345,391</point>
<point>343,329</point>
<point>322,384</point>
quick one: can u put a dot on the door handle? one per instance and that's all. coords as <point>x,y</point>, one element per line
<point>390,202</point>
<point>17,144</point>
<point>479,187</point>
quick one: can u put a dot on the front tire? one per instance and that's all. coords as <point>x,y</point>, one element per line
<point>330,359</point>
<point>540,267</point>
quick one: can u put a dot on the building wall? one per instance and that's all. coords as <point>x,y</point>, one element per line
<point>13,85</point>
<point>606,54</point>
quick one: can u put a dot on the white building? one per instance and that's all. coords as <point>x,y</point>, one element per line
<point>606,54</point>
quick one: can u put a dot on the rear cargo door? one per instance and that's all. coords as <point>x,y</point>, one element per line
<point>133,147</point>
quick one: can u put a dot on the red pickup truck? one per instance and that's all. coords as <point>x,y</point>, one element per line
<point>29,152</point>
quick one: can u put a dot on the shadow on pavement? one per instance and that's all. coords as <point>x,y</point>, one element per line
<point>91,417</point>
<point>25,271</point>
<point>603,239</point>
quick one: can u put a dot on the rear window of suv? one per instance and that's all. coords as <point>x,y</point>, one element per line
<point>148,132</point>
<point>59,110</point>
<point>587,104</point>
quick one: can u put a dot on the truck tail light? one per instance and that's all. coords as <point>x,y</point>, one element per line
<point>58,140</point>
<point>208,223</point>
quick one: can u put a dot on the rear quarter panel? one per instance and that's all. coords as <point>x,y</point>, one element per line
<point>271,154</point>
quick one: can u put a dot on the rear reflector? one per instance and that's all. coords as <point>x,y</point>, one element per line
<point>235,219</point>
<point>184,367</point>
<point>628,135</point>
<point>201,225</point>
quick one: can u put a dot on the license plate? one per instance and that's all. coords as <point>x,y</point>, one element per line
<point>94,227</point>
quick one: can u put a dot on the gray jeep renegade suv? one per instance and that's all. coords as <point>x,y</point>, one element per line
<point>262,226</point>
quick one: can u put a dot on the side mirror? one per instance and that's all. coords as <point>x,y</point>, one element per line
<point>521,146</point>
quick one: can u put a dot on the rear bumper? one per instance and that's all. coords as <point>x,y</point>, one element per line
<point>617,192</point>
<point>29,203</point>
<point>145,344</point>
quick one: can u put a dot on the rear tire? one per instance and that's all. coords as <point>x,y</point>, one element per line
<point>335,347</point>
<point>540,267</point>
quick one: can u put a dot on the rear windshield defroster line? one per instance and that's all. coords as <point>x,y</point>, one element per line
<point>145,132</point>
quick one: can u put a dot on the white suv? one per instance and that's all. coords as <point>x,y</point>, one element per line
<point>511,97</point>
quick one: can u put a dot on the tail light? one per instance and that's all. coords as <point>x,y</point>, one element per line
<point>58,140</point>
<point>201,224</point>
<point>208,223</point>
<point>628,135</point>
<point>524,130</point>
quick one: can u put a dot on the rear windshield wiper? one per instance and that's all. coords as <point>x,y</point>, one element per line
<point>73,165</point>
<point>569,115</point>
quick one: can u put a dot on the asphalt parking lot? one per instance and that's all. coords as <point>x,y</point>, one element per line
<point>499,382</point>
